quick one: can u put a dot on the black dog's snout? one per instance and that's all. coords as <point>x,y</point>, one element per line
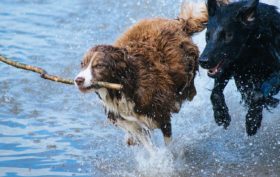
<point>203,61</point>
<point>80,81</point>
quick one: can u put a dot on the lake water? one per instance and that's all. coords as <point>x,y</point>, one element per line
<point>51,129</point>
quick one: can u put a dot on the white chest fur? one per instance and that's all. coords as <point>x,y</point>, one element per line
<point>125,108</point>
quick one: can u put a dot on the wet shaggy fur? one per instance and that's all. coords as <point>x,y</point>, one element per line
<point>156,62</point>
<point>243,42</point>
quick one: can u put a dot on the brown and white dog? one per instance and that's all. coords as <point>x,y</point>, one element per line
<point>156,62</point>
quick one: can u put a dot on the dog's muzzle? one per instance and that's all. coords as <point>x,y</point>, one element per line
<point>203,61</point>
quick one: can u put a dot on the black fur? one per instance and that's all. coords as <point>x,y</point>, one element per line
<point>243,42</point>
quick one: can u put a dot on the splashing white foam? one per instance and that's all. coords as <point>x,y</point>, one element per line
<point>158,163</point>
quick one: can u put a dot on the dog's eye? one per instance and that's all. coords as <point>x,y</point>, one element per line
<point>82,64</point>
<point>99,66</point>
<point>228,37</point>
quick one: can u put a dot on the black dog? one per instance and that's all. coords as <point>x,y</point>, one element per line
<point>243,42</point>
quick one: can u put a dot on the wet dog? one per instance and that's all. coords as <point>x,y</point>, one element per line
<point>156,62</point>
<point>243,42</point>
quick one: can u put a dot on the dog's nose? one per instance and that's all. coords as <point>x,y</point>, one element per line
<point>80,81</point>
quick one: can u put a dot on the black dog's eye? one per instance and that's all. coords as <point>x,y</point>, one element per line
<point>207,36</point>
<point>228,37</point>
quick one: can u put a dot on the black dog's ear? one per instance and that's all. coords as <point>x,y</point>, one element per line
<point>247,13</point>
<point>212,6</point>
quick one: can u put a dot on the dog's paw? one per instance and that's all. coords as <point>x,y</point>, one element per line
<point>272,102</point>
<point>131,142</point>
<point>253,123</point>
<point>222,118</point>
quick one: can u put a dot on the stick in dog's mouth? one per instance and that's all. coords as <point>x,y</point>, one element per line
<point>97,85</point>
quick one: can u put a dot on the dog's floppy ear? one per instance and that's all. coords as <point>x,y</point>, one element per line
<point>118,57</point>
<point>247,13</point>
<point>212,6</point>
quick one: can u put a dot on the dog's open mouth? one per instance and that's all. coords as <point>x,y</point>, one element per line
<point>215,70</point>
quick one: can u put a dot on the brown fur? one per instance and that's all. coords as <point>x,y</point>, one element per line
<point>156,62</point>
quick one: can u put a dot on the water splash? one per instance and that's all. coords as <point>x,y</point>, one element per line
<point>158,163</point>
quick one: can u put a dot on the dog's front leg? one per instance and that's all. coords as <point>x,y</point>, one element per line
<point>112,117</point>
<point>254,117</point>
<point>220,108</point>
<point>116,120</point>
<point>166,129</point>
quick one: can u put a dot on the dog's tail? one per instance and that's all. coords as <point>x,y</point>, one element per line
<point>193,16</point>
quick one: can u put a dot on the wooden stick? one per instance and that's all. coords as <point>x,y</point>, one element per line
<point>47,76</point>
<point>109,85</point>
